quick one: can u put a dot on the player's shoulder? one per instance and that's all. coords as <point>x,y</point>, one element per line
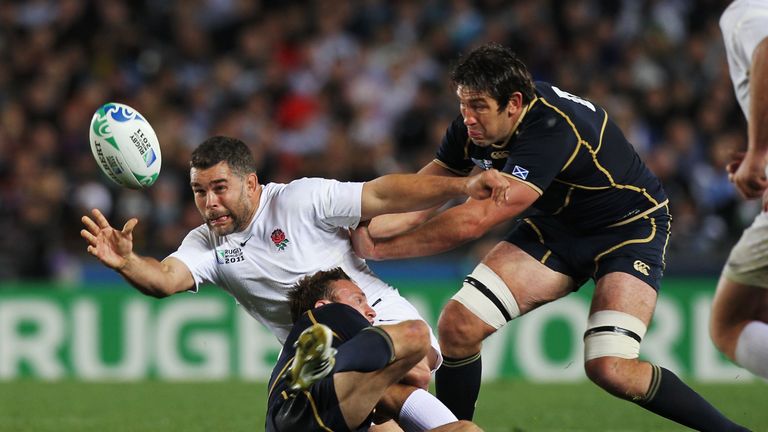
<point>344,320</point>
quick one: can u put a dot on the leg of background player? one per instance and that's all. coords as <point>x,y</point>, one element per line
<point>738,325</point>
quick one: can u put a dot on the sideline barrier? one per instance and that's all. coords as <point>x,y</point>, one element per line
<point>118,334</point>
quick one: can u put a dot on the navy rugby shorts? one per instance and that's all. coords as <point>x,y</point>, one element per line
<point>636,248</point>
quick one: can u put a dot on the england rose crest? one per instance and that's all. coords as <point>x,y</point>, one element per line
<point>278,238</point>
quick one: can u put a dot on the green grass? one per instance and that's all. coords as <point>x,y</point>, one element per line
<point>513,406</point>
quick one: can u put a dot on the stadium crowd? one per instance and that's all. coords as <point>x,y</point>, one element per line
<point>342,89</point>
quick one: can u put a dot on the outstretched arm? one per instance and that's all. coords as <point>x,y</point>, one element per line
<point>114,248</point>
<point>749,178</point>
<point>447,230</point>
<point>398,193</point>
<point>388,225</point>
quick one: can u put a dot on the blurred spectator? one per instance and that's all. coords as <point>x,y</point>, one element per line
<point>344,89</point>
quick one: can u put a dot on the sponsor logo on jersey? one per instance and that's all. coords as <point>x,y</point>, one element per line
<point>520,172</point>
<point>229,256</point>
<point>499,154</point>
<point>642,267</point>
<point>483,163</point>
<point>278,239</point>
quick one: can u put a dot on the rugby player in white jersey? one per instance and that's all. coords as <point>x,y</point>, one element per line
<point>739,320</point>
<point>259,240</point>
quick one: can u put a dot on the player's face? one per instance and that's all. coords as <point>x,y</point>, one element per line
<point>224,199</point>
<point>348,293</point>
<point>485,124</point>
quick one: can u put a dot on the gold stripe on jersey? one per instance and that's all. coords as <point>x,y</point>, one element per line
<point>280,375</point>
<point>453,170</point>
<point>284,395</point>
<point>602,131</point>
<point>566,201</point>
<point>640,215</point>
<point>578,186</point>
<point>314,411</point>
<point>541,238</point>
<point>529,184</point>
<point>666,242</point>
<point>626,242</point>
<point>593,153</point>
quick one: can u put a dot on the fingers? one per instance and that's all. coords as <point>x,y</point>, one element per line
<point>101,221</point>
<point>90,225</point>
<point>128,227</point>
<point>90,238</point>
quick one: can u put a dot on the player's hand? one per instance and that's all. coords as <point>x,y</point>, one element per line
<point>362,242</point>
<point>488,184</point>
<point>747,173</point>
<point>111,246</point>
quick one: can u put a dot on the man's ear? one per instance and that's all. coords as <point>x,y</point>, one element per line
<point>515,103</point>
<point>322,302</point>
<point>252,181</point>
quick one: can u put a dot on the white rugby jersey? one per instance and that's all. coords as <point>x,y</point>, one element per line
<point>299,228</point>
<point>744,25</point>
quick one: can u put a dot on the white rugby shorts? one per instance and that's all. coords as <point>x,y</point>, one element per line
<point>748,262</point>
<point>392,308</point>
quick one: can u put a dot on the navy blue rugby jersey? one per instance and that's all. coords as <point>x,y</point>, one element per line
<point>569,150</point>
<point>345,322</point>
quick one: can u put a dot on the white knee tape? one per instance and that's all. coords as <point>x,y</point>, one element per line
<point>488,297</point>
<point>613,334</point>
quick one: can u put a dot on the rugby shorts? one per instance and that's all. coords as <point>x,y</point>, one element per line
<point>748,262</point>
<point>636,248</point>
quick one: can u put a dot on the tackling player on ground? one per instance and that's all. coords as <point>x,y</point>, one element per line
<point>594,211</point>
<point>315,387</point>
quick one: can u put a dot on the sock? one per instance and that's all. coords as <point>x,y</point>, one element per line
<point>422,411</point>
<point>457,384</point>
<point>368,351</point>
<point>752,348</point>
<point>671,398</point>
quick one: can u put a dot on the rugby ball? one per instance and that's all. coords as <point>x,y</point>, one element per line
<point>125,146</point>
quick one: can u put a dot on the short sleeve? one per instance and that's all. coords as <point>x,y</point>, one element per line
<point>335,204</point>
<point>197,254</point>
<point>750,32</point>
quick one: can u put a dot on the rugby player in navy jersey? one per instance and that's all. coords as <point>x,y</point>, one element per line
<point>335,366</point>
<point>592,211</point>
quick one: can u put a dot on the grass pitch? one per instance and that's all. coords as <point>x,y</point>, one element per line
<point>513,406</point>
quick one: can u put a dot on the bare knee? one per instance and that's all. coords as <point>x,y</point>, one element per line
<point>413,341</point>
<point>460,331</point>
<point>619,377</point>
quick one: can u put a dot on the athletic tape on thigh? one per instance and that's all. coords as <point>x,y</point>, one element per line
<point>613,334</point>
<point>488,297</point>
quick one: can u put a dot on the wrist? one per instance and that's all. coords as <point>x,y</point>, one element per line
<point>123,267</point>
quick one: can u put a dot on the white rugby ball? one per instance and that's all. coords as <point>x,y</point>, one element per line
<point>125,146</point>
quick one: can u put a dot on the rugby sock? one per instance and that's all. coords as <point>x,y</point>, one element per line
<point>457,384</point>
<point>367,351</point>
<point>671,398</point>
<point>422,411</point>
<point>752,348</point>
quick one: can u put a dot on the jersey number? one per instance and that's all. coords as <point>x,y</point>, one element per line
<point>573,98</point>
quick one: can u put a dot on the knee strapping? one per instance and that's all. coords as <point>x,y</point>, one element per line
<point>486,295</point>
<point>613,334</point>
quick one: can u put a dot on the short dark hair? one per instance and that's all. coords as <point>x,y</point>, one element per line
<point>306,292</point>
<point>224,149</point>
<point>495,70</point>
